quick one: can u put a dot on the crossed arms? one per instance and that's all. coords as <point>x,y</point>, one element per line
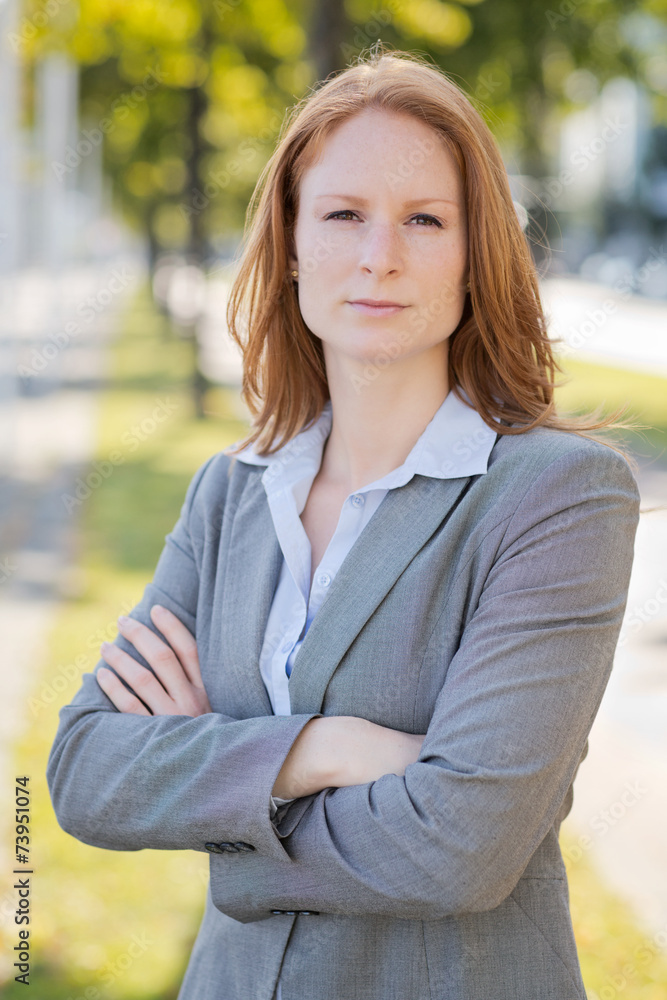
<point>450,827</point>
<point>329,751</point>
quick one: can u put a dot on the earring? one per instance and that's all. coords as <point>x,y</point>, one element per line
<point>468,287</point>
<point>295,274</point>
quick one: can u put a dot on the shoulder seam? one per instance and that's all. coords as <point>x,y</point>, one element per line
<point>198,480</point>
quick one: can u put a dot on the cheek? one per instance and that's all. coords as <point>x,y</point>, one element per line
<point>322,253</point>
<point>442,288</point>
<point>442,295</point>
<point>323,286</point>
<point>313,305</point>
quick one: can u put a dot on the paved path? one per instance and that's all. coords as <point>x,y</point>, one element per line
<point>601,325</point>
<point>48,436</point>
<point>619,816</point>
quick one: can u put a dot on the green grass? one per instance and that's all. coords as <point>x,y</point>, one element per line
<point>644,396</point>
<point>90,905</point>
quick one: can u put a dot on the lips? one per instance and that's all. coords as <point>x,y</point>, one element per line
<point>379,307</point>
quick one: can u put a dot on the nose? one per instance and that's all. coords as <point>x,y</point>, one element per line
<point>380,251</point>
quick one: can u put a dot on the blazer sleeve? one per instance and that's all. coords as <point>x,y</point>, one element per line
<point>455,833</point>
<point>126,782</point>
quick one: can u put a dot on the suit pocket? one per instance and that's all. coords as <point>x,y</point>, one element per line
<point>521,950</point>
<point>543,905</point>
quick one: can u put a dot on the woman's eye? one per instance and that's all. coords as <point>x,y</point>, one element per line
<point>433,222</point>
<point>430,219</point>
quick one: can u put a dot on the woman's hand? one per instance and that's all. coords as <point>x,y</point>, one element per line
<point>337,750</point>
<point>176,690</point>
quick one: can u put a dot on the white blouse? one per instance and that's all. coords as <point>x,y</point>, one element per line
<point>454,444</point>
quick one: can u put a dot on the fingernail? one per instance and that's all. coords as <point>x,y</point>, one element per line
<point>105,646</point>
<point>123,620</point>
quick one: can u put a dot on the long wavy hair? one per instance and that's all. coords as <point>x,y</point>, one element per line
<point>500,354</point>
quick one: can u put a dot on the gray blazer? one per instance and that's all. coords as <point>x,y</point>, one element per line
<point>482,611</point>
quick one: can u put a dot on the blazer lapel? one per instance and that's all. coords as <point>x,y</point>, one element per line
<point>252,557</point>
<point>402,524</point>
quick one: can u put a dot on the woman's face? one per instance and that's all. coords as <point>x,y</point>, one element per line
<point>381,216</point>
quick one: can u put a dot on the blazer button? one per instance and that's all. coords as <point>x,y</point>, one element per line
<point>277,912</point>
<point>214,848</point>
<point>223,847</point>
<point>239,845</point>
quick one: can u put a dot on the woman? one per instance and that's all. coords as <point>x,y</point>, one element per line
<point>364,674</point>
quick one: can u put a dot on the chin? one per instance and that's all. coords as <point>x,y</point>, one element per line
<point>365,351</point>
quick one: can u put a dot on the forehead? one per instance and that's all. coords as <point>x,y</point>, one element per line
<point>381,148</point>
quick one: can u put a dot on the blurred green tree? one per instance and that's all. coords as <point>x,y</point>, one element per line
<point>188,95</point>
<point>191,94</point>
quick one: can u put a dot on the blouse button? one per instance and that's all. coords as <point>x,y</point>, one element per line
<point>358,500</point>
<point>324,579</point>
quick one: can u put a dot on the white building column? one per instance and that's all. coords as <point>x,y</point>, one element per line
<point>10,222</point>
<point>56,124</point>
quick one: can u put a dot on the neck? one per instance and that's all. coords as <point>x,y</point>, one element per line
<point>377,421</point>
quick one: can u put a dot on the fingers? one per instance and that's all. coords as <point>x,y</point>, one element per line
<point>117,693</point>
<point>159,655</point>
<point>173,685</point>
<point>145,684</point>
<point>181,641</point>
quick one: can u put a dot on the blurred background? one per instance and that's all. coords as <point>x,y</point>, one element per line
<point>131,138</point>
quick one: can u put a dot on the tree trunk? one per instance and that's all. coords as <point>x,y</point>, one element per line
<point>329,29</point>
<point>197,245</point>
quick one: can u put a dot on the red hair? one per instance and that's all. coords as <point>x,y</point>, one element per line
<point>500,354</point>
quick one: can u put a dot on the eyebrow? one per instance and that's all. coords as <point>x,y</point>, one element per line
<point>364,201</point>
